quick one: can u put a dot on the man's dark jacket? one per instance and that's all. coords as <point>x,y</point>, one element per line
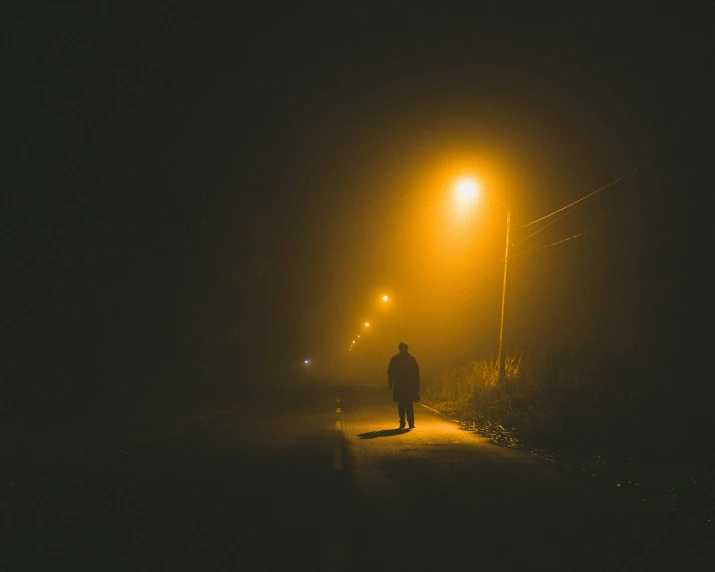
<point>404,377</point>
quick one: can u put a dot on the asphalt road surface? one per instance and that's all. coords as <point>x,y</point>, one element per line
<point>323,480</point>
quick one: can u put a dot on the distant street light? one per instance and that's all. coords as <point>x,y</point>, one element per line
<point>305,361</point>
<point>385,299</point>
<point>466,191</point>
<point>367,324</point>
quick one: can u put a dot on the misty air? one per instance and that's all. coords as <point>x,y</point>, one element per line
<point>357,288</point>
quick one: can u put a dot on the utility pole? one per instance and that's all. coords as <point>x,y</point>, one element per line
<point>502,356</point>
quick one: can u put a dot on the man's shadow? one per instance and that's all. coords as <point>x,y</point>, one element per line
<point>383,433</point>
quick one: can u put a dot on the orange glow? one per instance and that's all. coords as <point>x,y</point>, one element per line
<point>466,192</point>
<point>466,189</point>
<point>437,262</point>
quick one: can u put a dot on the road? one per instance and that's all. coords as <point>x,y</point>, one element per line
<point>439,497</point>
<point>321,479</point>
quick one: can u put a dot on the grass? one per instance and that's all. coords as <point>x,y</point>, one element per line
<point>600,416</point>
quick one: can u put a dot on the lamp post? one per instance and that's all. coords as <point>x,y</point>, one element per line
<point>502,356</point>
<point>466,191</point>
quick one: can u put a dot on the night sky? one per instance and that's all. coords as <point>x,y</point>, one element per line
<point>184,178</point>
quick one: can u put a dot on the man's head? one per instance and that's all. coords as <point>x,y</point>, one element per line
<point>402,347</point>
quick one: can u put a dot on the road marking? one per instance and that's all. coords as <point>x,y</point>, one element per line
<point>423,405</point>
<point>335,557</point>
<point>337,458</point>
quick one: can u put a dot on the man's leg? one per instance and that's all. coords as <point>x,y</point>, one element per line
<point>410,414</point>
<point>401,412</point>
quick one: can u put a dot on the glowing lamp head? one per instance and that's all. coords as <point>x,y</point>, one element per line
<point>466,192</point>
<point>385,298</point>
<point>367,324</point>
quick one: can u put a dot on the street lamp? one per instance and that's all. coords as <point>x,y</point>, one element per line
<point>387,298</point>
<point>502,357</point>
<point>466,191</point>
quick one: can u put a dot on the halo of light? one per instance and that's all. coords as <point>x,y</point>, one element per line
<point>466,192</point>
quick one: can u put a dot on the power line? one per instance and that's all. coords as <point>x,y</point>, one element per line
<point>542,228</point>
<point>536,248</point>
<point>582,199</point>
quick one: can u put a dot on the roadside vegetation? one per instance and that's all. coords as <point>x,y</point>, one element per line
<point>600,416</point>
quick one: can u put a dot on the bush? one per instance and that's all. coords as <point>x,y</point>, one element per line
<point>573,401</point>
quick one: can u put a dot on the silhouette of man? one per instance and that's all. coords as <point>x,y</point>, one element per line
<point>403,378</point>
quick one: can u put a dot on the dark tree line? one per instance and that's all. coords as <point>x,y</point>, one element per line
<point>134,261</point>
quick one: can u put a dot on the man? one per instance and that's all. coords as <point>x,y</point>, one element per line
<point>403,377</point>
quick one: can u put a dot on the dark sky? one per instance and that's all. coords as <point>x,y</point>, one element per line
<point>169,160</point>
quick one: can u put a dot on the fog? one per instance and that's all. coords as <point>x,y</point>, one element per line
<point>225,192</point>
